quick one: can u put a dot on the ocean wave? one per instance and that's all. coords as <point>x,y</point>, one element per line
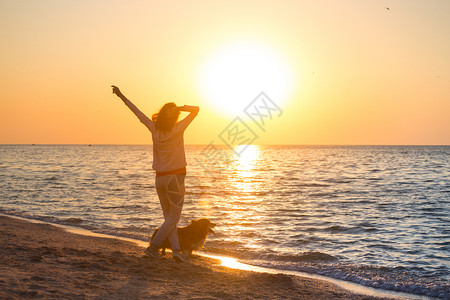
<point>348,229</point>
<point>337,228</point>
<point>395,279</point>
<point>315,184</point>
<point>310,256</point>
<point>329,195</point>
<point>75,221</point>
<point>125,207</point>
<point>398,279</point>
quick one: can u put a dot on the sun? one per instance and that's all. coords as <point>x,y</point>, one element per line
<point>233,76</point>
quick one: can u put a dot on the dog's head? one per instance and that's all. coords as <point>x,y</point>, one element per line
<point>204,223</point>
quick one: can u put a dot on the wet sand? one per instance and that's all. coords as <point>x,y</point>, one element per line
<point>44,261</point>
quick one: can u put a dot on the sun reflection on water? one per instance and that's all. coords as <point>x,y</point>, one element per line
<point>245,168</point>
<point>244,204</point>
<point>247,157</point>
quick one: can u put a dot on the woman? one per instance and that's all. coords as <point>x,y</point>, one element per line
<point>169,162</point>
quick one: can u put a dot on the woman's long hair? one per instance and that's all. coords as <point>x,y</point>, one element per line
<point>164,121</point>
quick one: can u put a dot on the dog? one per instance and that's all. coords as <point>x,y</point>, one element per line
<point>191,237</point>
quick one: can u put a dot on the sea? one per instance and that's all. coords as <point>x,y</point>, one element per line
<point>378,216</point>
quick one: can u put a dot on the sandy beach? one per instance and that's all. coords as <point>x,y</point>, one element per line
<point>43,261</point>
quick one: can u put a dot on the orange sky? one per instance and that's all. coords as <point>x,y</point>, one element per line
<point>358,72</point>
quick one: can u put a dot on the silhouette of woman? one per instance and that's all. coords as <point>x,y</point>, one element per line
<point>169,162</point>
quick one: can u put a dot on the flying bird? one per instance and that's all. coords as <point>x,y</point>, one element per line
<point>388,8</point>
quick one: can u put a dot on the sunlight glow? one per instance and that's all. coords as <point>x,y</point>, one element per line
<point>233,264</point>
<point>231,78</point>
<point>248,156</point>
<point>244,178</point>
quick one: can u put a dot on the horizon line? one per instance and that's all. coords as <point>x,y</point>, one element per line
<point>325,145</point>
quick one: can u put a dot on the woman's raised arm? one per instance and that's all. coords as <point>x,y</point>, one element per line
<point>140,115</point>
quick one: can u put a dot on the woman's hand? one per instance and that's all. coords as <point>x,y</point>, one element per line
<point>189,108</point>
<point>116,91</point>
<point>119,94</point>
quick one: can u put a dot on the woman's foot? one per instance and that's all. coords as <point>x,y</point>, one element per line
<point>153,252</point>
<point>178,256</point>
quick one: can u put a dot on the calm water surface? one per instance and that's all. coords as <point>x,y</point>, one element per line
<point>375,215</point>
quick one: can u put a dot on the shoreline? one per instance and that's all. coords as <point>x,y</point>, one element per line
<point>233,263</point>
<point>43,260</point>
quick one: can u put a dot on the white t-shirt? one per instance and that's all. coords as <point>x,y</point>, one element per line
<point>168,146</point>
